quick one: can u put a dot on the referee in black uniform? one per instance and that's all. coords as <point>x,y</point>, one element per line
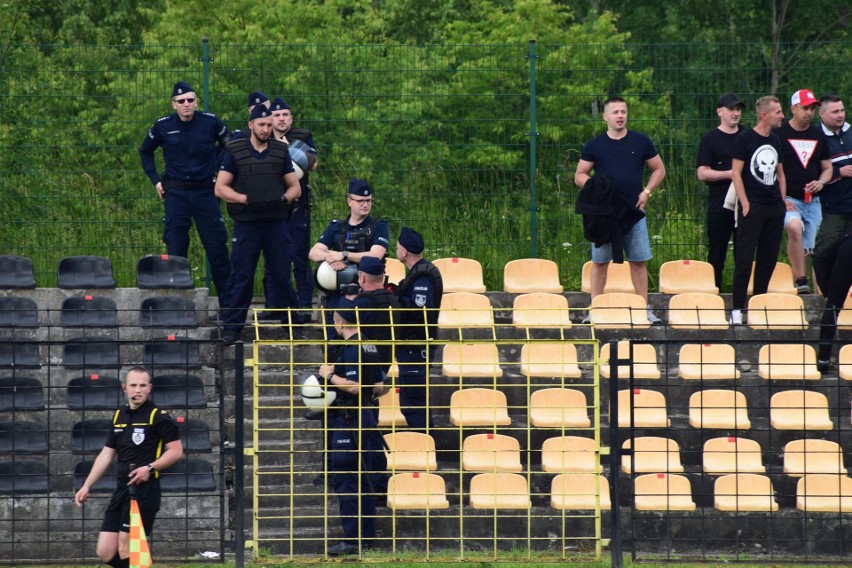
<point>146,441</point>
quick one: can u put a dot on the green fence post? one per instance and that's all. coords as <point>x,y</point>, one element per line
<point>205,70</point>
<point>533,142</point>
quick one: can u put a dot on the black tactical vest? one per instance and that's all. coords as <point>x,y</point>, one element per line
<point>261,181</point>
<point>410,317</point>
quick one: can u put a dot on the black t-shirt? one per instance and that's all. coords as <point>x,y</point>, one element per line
<point>803,151</point>
<point>761,155</point>
<point>714,151</point>
<point>623,160</point>
<point>137,435</point>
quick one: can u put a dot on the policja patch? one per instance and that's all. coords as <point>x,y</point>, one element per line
<point>420,300</point>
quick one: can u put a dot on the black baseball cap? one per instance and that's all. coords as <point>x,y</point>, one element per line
<point>730,100</point>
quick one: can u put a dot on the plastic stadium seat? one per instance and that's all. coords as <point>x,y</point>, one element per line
<point>785,361</point>
<point>91,352</point>
<point>491,452</point>
<point>411,451</point>
<point>541,310</point>
<point>461,274</point>
<point>19,353</point>
<point>85,272</point>
<point>24,477</point>
<point>17,311</point>
<point>88,311</point>
<point>781,281</point>
<point>22,437</point>
<point>844,318</point>
<point>844,362</point>
<point>649,410</point>
<point>88,436</point>
<point>479,407</point>
<point>559,408</point>
<point>19,393</point>
<point>619,311</point>
<point>684,276</point>
<point>719,408</point>
<point>580,492</point>
<point>167,311</point>
<point>16,272</point>
<point>417,490</point>
<point>528,275</point>
<point>824,493</point>
<point>471,360</point>
<point>644,361</point>
<point>178,390</point>
<point>707,362</point>
<point>570,454</point>
<point>799,410</point>
<point>463,309</point>
<point>390,415</point>
<point>194,434</point>
<point>94,392</point>
<point>499,491</point>
<point>652,454</point>
<point>163,271</point>
<point>171,352</point>
<point>744,492</point>
<point>557,359</point>
<point>617,278</point>
<point>662,492</point>
<point>105,484</point>
<point>394,270</point>
<point>732,455</point>
<point>695,310</point>
<point>776,311</point>
<point>188,475</point>
<point>803,457</point>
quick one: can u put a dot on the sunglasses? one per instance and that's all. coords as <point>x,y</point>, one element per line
<point>189,100</point>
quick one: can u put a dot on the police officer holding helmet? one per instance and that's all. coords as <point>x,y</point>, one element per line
<point>348,241</point>
<point>377,308</point>
<point>192,144</point>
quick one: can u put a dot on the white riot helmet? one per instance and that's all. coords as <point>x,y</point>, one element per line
<point>299,156</point>
<point>314,396</point>
<point>330,280</point>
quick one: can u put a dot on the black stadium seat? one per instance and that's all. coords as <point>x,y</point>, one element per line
<point>16,272</point>
<point>23,437</point>
<point>167,311</point>
<point>105,484</point>
<point>19,353</point>
<point>188,475</point>
<point>178,390</point>
<point>163,271</point>
<point>18,312</point>
<point>91,352</point>
<point>172,353</point>
<point>23,476</point>
<point>88,436</point>
<point>21,393</point>
<point>89,311</point>
<point>85,272</point>
<point>94,392</point>
<point>194,434</point>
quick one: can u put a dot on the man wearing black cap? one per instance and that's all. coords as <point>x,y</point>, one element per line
<point>355,457</point>
<point>377,308</point>
<point>189,140</point>
<point>258,184</point>
<point>714,168</point>
<point>350,240</point>
<point>419,295</point>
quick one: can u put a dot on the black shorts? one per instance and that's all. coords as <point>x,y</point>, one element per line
<point>117,514</point>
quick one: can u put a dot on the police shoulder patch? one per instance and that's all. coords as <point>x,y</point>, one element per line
<point>210,114</point>
<point>168,116</point>
<point>419,300</point>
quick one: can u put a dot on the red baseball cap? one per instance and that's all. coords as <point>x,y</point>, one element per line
<point>805,97</point>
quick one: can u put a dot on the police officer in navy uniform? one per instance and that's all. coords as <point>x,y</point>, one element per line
<point>350,240</point>
<point>140,432</point>
<point>378,313</point>
<point>356,458</point>
<point>192,144</point>
<point>258,184</point>
<point>419,296</point>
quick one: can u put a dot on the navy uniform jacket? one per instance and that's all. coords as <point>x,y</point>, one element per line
<point>189,148</point>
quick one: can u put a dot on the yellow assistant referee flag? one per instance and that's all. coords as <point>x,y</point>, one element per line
<point>140,555</point>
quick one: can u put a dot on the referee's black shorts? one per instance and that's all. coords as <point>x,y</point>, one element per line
<point>117,514</point>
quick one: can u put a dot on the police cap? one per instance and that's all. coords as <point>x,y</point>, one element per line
<point>371,265</point>
<point>279,104</point>
<point>257,98</point>
<point>260,111</point>
<point>411,240</point>
<point>346,310</point>
<point>360,187</point>
<point>181,88</point>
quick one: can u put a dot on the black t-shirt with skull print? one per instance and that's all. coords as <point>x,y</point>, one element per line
<point>140,436</point>
<point>760,155</point>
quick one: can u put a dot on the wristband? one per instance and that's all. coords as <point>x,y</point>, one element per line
<point>646,192</point>
<point>328,378</point>
<point>822,183</point>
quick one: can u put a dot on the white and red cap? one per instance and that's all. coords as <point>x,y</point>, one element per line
<point>805,97</point>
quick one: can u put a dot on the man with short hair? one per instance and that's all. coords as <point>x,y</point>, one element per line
<point>807,170</point>
<point>836,197</point>
<point>622,155</point>
<point>758,175</point>
<point>139,435</point>
<point>419,295</point>
<point>258,184</point>
<point>192,143</point>
<point>714,168</point>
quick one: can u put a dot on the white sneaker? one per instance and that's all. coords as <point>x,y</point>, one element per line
<point>736,317</point>
<point>653,318</point>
